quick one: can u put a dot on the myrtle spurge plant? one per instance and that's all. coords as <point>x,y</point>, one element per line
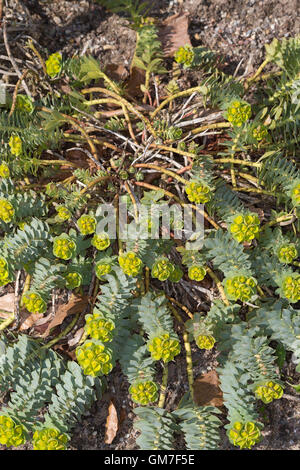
<point>73,280</point>
<point>184,55</point>
<point>245,228</point>
<point>11,434</point>
<point>64,247</point>
<point>15,144</point>
<point>54,64</point>
<point>240,287</point>
<point>49,439</point>
<point>244,435</point>
<point>94,358</point>
<point>130,263</point>
<point>63,213</point>
<point>269,391</point>
<point>7,211</point>
<point>134,300</point>
<point>196,273</point>
<point>101,241</point>
<point>4,171</point>
<point>87,224</point>
<point>144,393</point>
<point>34,303</point>
<point>164,347</point>
<point>238,112</point>
<point>162,269</point>
<point>198,192</point>
<point>98,327</point>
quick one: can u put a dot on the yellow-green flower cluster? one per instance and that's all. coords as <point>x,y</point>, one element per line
<point>94,358</point>
<point>4,170</point>
<point>54,64</point>
<point>73,280</point>
<point>238,112</point>
<point>100,241</point>
<point>130,263</point>
<point>163,347</point>
<point>99,328</point>
<point>295,194</point>
<point>24,103</point>
<point>7,210</point>
<point>291,287</point>
<point>240,287</point>
<point>259,133</point>
<point>87,224</point>
<point>269,391</point>
<point>287,253</point>
<point>11,434</point>
<point>245,227</point>
<point>184,55</point>
<point>63,213</point>
<point>15,144</point>
<point>198,192</point>
<point>101,269</point>
<point>196,273</point>
<point>205,341</point>
<point>49,439</point>
<point>162,269</point>
<point>244,435</point>
<point>63,247</point>
<point>4,272</point>
<point>144,392</point>
<point>34,303</point>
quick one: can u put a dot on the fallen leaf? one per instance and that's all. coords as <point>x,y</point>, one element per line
<point>75,305</point>
<point>27,320</point>
<point>136,79</point>
<point>174,34</point>
<point>77,337</point>
<point>7,303</point>
<point>207,390</point>
<point>116,72</point>
<point>112,424</point>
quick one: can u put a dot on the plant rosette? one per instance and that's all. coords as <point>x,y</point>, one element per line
<point>240,287</point>
<point>144,392</point>
<point>245,227</point>
<point>98,327</point>
<point>130,263</point>
<point>49,439</point>
<point>163,347</point>
<point>11,433</point>
<point>64,247</point>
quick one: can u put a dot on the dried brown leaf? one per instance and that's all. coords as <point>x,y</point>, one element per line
<point>174,34</point>
<point>27,320</point>
<point>207,390</point>
<point>112,424</point>
<point>7,303</point>
<point>75,305</point>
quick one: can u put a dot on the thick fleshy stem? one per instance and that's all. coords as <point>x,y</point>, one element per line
<point>188,351</point>
<point>163,388</point>
<point>215,278</point>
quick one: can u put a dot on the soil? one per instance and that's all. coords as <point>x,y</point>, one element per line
<point>239,31</point>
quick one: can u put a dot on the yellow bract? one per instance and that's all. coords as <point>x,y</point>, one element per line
<point>163,347</point>
<point>144,392</point>
<point>34,303</point>
<point>291,287</point>
<point>4,171</point>
<point>11,434</point>
<point>94,359</point>
<point>162,269</point>
<point>49,439</point>
<point>15,144</point>
<point>287,253</point>
<point>196,273</point>
<point>101,269</point>
<point>130,263</point>
<point>99,328</point>
<point>269,391</point>
<point>184,55</point>
<point>87,224</point>
<point>240,288</point>
<point>100,241</point>
<point>245,227</point>
<point>198,192</point>
<point>244,435</point>
<point>54,64</point>
<point>238,112</point>
<point>7,211</point>
<point>63,247</point>
<point>205,341</point>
